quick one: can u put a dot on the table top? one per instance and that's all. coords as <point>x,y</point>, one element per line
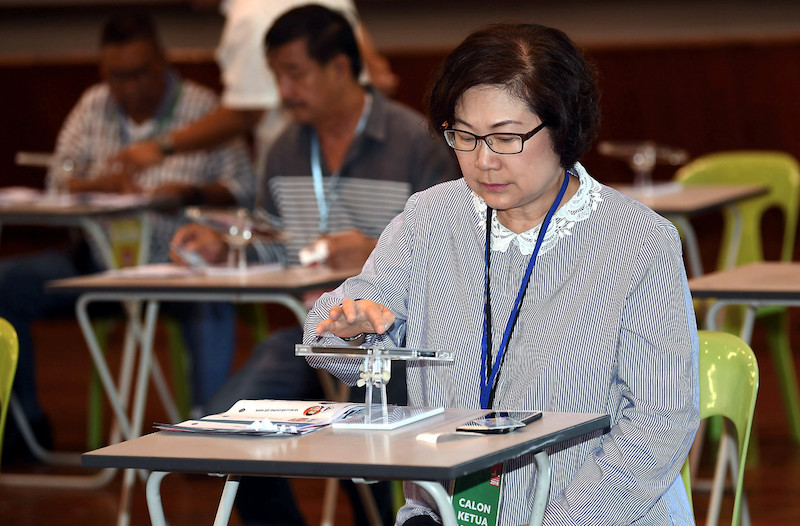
<point>625,150</point>
<point>768,280</point>
<point>25,204</point>
<point>679,199</point>
<point>345,453</point>
<point>288,280</point>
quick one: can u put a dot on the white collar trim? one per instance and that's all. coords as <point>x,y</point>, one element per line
<point>578,208</point>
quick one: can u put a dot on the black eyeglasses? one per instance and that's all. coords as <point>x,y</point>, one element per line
<point>502,143</point>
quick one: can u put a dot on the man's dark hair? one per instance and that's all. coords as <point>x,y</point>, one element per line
<point>327,34</point>
<point>129,26</point>
<point>539,65</point>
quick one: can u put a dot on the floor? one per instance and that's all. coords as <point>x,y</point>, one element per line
<point>772,483</point>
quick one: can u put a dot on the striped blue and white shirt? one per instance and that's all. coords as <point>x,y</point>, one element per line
<point>97,128</point>
<point>607,326</point>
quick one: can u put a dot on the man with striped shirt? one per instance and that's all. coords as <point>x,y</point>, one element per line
<point>140,98</point>
<point>340,172</point>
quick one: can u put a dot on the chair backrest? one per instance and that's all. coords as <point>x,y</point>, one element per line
<point>778,171</point>
<point>124,234</point>
<point>728,384</point>
<point>9,352</point>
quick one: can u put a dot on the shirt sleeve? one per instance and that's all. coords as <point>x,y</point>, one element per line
<point>235,171</point>
<point>74,138</point>
<point>642,454</point>
<point>384,279</point>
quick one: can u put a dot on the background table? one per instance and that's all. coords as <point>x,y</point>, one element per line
<point>29,206</point>
<point>26,206</point>
<point>678,203</point>
<point>132,287</point>
<point>279,286</point>
<point>753,285</point>
<point>342,453</point>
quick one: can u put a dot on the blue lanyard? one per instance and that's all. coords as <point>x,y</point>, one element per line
<point>164,114</point>
<point>316,169</point>
<point>493,370</point>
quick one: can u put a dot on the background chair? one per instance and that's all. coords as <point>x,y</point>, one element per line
<point>9,352</point>
<point>780,174</point>
<point>728,387</point>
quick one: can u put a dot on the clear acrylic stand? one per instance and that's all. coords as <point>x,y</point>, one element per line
<point>375,374</point>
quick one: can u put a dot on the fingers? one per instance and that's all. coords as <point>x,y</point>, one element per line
<point>353,317</point>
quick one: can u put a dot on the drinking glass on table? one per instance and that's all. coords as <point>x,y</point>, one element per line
<point>642,157</point>
<point>642,163</point>
<point>63,168</point>
<point>238,237</point>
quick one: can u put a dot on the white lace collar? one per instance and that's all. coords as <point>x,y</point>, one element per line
<point>578,208</point>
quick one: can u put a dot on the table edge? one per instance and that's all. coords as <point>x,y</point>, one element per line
<point>368,471</point>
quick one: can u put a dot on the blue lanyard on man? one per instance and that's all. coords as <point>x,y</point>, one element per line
<point>164,113</point>
<point>492,370</point>
<point>323,204</point>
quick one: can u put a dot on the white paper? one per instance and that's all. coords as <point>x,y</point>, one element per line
<point>155,270</point>
<point>236,271</point>
<point>269,417</point>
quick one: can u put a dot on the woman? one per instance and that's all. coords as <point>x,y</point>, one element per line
<point>556,292</point>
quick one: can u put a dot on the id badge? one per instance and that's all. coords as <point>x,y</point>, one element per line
<point>476,497</point>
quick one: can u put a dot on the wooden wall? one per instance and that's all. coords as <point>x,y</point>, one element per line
<point>702,97</point>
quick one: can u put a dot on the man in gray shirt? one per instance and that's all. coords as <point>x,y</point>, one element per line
<point>338,174</point>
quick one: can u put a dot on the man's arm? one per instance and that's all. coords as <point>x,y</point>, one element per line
<point>380,71</point>
<point>216,128</point>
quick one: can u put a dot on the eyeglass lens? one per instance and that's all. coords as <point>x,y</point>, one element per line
<point>498,142</point>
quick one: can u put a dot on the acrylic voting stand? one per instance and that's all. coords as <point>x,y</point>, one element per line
<point>375,374</point>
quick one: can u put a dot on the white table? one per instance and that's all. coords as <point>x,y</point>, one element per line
<point>678,203</point>
<point>134,287</point>
<point>281,286</point>
<point>342,453</point>
<point>27,206</point>
<point>753,285</point>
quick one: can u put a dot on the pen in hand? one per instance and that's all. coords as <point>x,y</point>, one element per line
<point>191,258</point>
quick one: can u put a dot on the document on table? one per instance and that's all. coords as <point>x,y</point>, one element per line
<point>268,417</point>
<point>23,195</point>
<point>171,270</point>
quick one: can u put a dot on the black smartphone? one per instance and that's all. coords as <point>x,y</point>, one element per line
<point>526,417</point>
<point>500,421</point>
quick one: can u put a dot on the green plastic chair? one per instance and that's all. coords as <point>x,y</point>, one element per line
<point>728,383</point>
<point>780,173</point>
<point>9,353</point>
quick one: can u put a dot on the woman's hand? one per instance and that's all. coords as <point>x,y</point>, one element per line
<point>354,317</point>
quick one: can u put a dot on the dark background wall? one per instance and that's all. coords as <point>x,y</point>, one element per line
<point>701,97</point>
<point>722,85</point>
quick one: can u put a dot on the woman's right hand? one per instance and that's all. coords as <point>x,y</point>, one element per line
<point>355,317</point>
<point>201,240</point>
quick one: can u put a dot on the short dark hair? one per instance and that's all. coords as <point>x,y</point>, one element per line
<point>126,27</point>
<point>327,34</point>
<point>538,64</point>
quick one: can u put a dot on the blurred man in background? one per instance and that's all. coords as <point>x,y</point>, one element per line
<point>141,98</point>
